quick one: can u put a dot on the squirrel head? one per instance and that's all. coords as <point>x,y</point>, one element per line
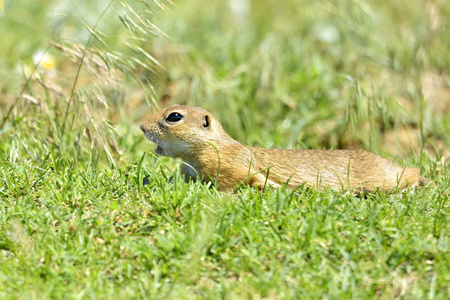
<point>181,131</point>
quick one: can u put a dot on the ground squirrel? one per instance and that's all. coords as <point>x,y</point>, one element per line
<point>210,154</point>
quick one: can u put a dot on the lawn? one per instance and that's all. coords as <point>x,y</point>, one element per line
<point>77,221</point>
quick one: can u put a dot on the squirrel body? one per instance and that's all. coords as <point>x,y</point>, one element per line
<point>210,154</point>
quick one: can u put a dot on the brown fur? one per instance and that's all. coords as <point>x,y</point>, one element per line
<point>200,141</point>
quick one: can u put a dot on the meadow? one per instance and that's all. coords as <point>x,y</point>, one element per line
<point>77,78</point>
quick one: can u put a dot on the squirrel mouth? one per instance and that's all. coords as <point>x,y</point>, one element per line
<point>159,150</point>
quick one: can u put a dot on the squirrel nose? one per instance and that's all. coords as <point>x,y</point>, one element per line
<point>142,127</point>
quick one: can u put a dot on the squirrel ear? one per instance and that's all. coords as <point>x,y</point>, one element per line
<point>206,121</point>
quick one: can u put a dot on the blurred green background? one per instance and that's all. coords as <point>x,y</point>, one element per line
<point>323,74</point>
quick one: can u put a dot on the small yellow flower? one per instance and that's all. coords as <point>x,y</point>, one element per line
<point>47,62</point>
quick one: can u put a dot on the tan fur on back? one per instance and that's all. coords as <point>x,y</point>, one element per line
<point>200,141</point>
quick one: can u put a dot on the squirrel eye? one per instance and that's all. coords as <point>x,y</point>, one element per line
<point>174,117</point>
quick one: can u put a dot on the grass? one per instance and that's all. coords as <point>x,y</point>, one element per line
<point>76,220</point>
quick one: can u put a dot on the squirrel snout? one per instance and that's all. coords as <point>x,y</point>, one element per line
<point>142,127</point>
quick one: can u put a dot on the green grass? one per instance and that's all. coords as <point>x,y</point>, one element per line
<point>76,220</point>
